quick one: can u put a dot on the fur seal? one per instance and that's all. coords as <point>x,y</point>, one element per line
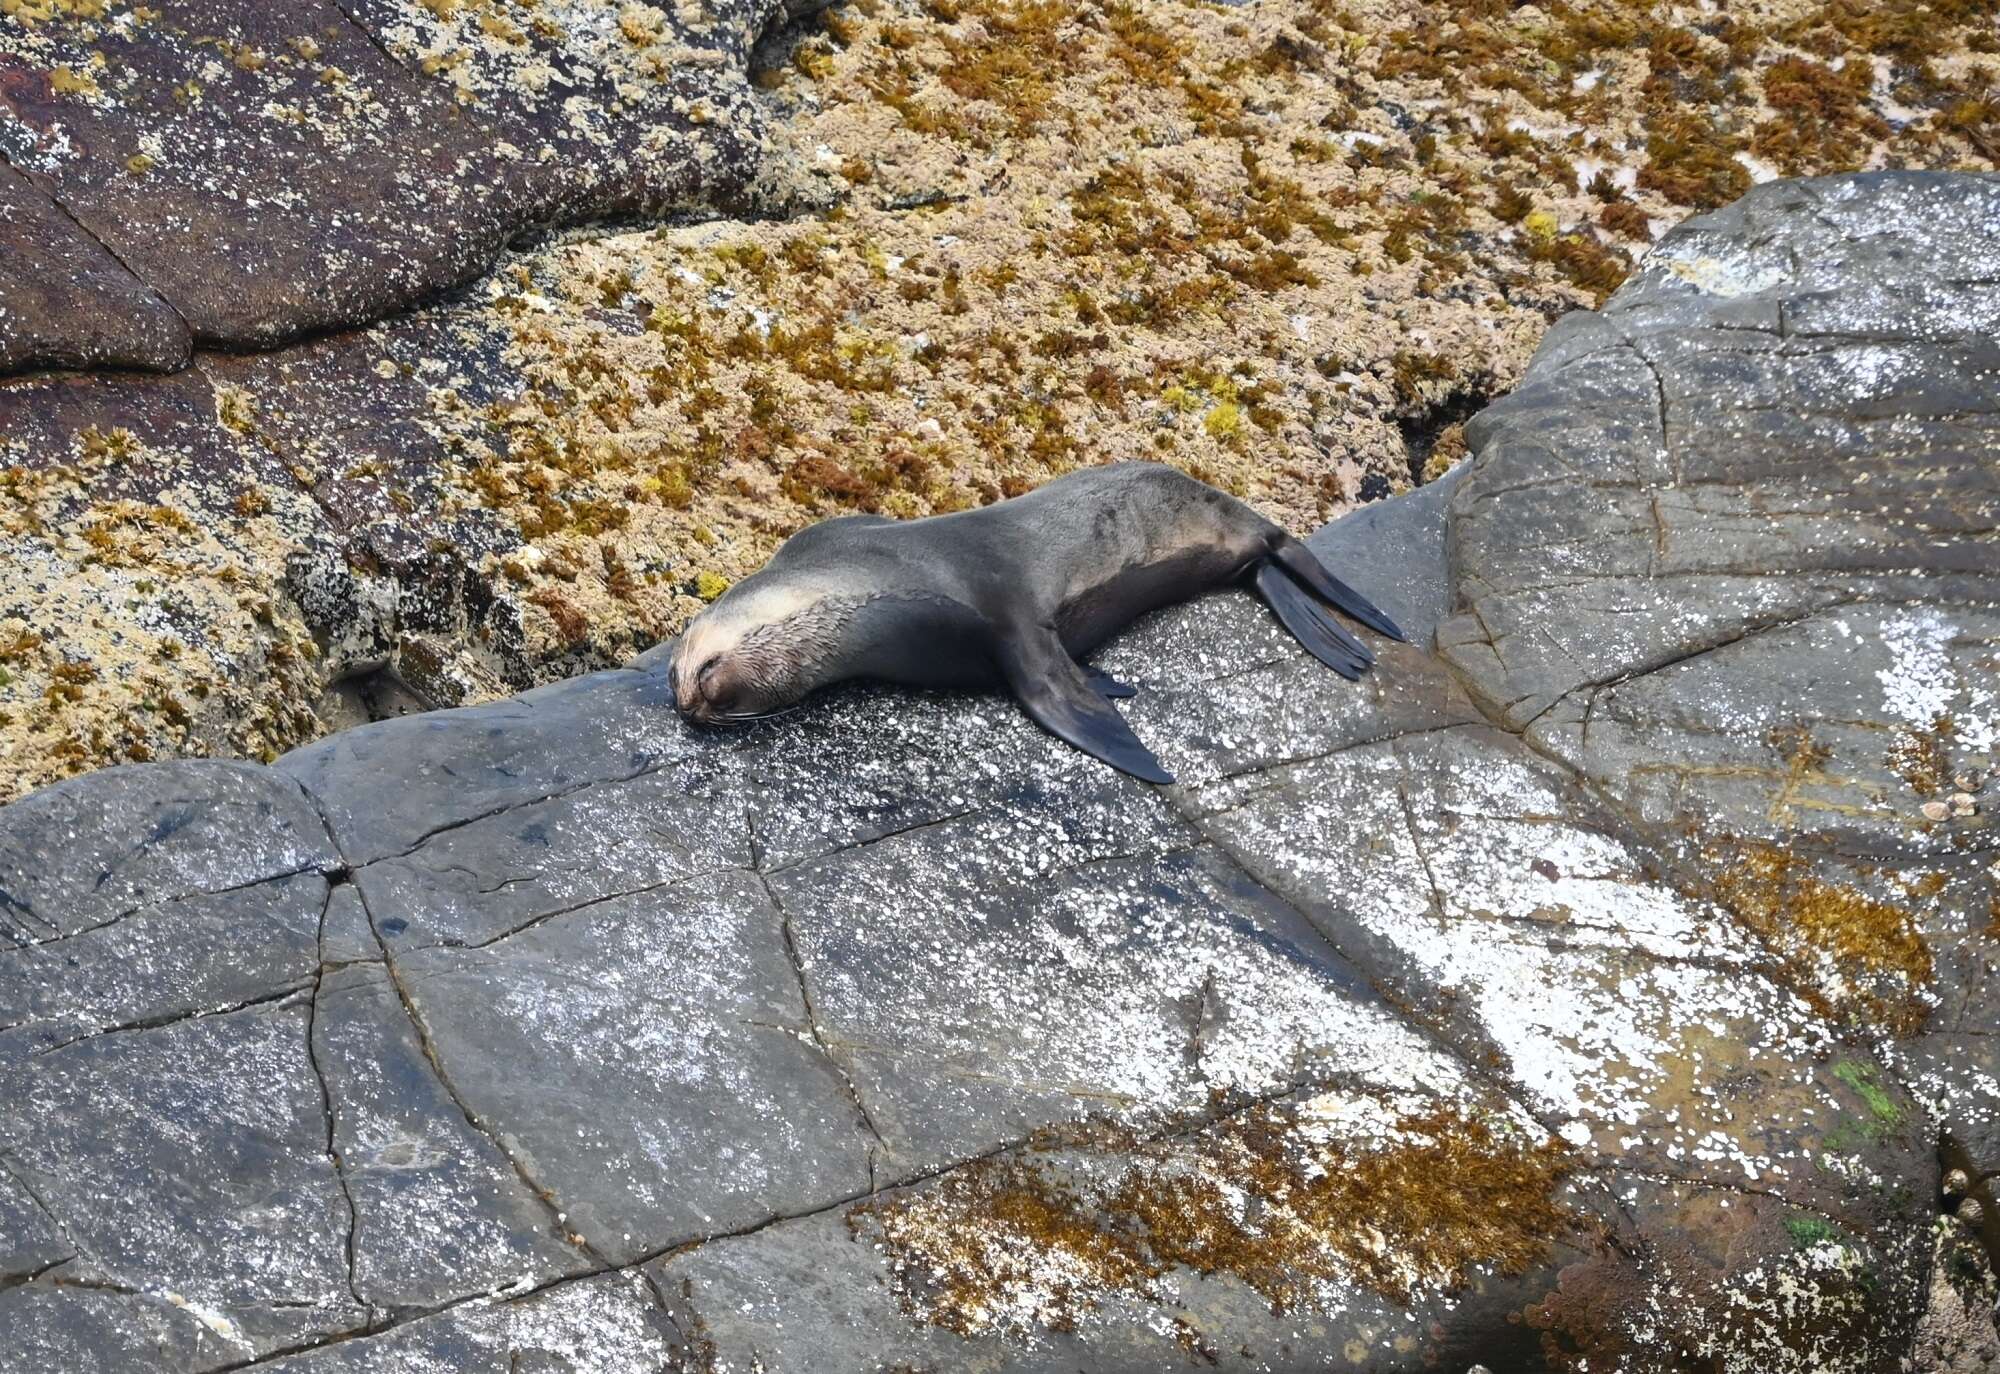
<point>1011,594</point>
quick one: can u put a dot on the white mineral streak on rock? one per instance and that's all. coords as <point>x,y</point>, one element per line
<point>209,1317</point>
<point>1919,684</point>
<point>1722,273</point>
<point>1529,938</point>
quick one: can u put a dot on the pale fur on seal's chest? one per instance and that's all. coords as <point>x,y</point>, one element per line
<point>1013,593</point>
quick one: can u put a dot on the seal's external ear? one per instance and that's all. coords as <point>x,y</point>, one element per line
<point>1059,696</point>
<point>1298,560</point>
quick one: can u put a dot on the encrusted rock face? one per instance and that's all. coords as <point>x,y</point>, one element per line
<point>1482,1011</point>
<point>970,245</point>
<point>274,170</point>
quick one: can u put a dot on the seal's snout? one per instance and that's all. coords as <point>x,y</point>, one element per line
<point>687,693</point>
<point>688,700</point>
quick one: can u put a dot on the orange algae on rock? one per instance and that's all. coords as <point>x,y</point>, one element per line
<point>1038,1240</point>
<point>1859,953</point>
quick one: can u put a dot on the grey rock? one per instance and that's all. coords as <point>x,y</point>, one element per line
<point>92,1330</point>
<point>89,852</point>
<point>345,937</point>
<point>1585,988</point>
<point>438,1211</point>
<point>1071,986</point>
<point>647,1062</point>
<point>29,1240</point>
<point>388,788</point>
<point>479,881</point>
<point>187,1164</point>
<point>1761,618</point>
<point>199,953</point>
<point>601,1325</point>
<point>841,1292</point>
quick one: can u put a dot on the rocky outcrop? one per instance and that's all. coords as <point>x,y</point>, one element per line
<point>1286,247</point>
<point>236,174</point>
<point>1596,992</point>
<point>1761,615</point>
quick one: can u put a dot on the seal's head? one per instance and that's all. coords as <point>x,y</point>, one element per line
<point>755,652</point>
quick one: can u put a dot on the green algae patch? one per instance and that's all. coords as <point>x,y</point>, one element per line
<point>1884,1115</point>
<point>1038,1240</point>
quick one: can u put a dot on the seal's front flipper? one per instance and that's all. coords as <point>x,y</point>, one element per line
<point>1310,624</point>
<point>1058,695</point>
<point>1106,685</point>
<point>1298,560</point>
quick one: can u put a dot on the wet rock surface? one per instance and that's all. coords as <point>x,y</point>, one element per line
<point>1594,992</point>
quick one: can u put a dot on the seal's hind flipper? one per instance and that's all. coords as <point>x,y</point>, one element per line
<point>1058,695</point>
<point>1298,560</point>
<point>1310,624</point>
<point>1106,685</point>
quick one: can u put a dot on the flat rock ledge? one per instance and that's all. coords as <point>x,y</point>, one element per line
<point>1612,988</point>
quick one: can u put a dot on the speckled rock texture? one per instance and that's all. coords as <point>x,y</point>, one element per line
<point>271,170</point>
<point>1594,993</point>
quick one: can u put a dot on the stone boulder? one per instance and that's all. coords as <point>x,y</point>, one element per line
<point>1594,992</point>
<point>233,173</point>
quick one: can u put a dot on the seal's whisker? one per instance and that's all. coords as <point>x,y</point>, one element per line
<point>762,715</point>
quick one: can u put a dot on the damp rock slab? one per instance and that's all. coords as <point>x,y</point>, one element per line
<point>65,301</point>
<point>557,1029</point>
